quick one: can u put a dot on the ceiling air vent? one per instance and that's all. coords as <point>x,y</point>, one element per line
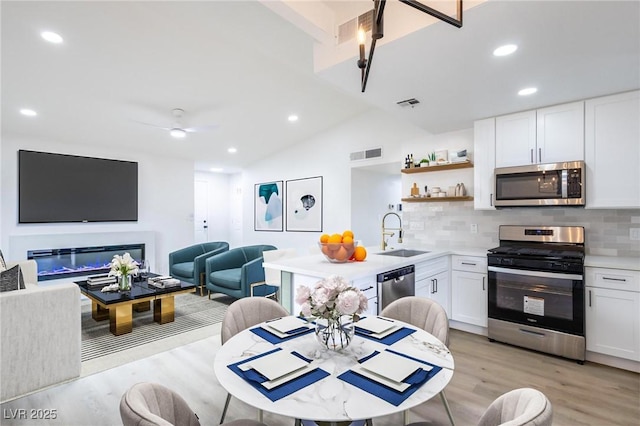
<point>408,102</point>
<point>348,30</point>
<point>366,154</point>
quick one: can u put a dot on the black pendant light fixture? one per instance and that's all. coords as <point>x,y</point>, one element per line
<point>377,30</point>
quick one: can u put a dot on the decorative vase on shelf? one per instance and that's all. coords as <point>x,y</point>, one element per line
<point>124,282</point>
<point>335,334</point>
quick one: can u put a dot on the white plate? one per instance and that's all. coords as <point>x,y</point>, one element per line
<point>375,325</point>
<point>286,324</point>
<point>288,377</point>
<point>400,387</point>
<point>392,366</point>
<point>276,365</point>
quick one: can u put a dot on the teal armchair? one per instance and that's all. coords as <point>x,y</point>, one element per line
<point>188,264</point>
<point>233,271</point>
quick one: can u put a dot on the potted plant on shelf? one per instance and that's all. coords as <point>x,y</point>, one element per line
<point>432,159</point>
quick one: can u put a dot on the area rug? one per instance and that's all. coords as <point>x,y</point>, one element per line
<point>191,312</point>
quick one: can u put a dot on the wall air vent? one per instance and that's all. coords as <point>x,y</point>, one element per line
<point>348,30</point>
<point>408,102</point>
<point>366,154</point>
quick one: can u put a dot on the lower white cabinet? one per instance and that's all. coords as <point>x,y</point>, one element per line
<point>613,312</point>
<point>469,290</point>
<point>432,281</point>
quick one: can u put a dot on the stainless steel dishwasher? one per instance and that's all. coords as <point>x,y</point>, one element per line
<point>393,285</point>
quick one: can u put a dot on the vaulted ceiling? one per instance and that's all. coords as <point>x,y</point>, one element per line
<point>245,66</point>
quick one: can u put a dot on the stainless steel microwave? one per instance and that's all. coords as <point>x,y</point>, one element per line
<point>553,184</point>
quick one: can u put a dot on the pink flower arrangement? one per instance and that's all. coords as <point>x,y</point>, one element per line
<point>331,298</point>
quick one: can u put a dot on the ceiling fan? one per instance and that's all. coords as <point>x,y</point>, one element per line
<point>177,129</point>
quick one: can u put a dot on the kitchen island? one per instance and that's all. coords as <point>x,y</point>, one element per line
<point>307,270</point>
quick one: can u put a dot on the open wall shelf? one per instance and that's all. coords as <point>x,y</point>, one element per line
<point>435,199</point>
<point>454,166</point>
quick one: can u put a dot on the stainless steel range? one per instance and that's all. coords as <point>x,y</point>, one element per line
<point>536,289</point>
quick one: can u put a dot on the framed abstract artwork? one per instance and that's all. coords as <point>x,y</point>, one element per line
<point>267,203</point>
<point>304,204</point>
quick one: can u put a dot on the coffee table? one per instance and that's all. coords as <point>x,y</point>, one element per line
<point>119,306</point>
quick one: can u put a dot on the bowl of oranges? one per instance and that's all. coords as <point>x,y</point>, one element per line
<point>341,248</point>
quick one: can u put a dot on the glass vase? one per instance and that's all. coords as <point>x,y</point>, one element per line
<point>124,282</point>
<point>335,334</point>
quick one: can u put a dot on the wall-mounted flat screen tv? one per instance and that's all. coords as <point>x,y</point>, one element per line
<point>68,188</point>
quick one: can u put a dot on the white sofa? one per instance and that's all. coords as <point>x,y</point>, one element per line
<point>40,340</point>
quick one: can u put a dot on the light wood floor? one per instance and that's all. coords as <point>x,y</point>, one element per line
<point>589,394</point>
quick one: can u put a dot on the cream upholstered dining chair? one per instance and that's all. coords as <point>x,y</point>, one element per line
<point>270,287</point>
<point>151,404</point>
<point>427,315</point>
<point>519,407</point>
<point>245,313</point>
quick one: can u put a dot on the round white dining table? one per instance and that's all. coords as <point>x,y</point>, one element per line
<point>332,399</point>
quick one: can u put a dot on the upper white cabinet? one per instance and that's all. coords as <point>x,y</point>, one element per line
<point>612,151</point>
<point>547,135</point>
<point>560,133</point>
<point>516,139</point>
<point>484,149</point>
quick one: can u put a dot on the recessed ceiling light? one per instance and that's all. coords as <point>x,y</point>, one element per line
<point>178,133</point>
<point>216,169</point>
<point>505,50</point>
<point>292,118</point>
<point>51,37</point>
<point>232,150</point>
<point>527,91</point>
<point>28,112</point>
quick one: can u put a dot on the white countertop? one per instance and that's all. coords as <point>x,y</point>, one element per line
<point>375,263</point>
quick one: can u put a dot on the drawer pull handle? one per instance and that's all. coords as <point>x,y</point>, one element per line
<point>368,288</point>
<point>467,263</point>
<point>533,333</point>
<point>614,279</point>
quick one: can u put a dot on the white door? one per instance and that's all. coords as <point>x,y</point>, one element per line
<point>201,211</point>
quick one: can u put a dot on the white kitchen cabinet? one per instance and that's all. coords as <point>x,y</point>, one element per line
<point>612,151</point>
<point>484,150</point>
<point>613,312</point>
<point>432,281</point>
<point>547,135</point>
<point>369,287</point>
<point>469,290</point>
<point>560,133</point>
<point>515,139</point>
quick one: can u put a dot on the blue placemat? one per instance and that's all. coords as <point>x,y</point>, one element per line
<point>272,338</point>
<point>392,396</point>
<point>286,388</point>
<point>387,340</point>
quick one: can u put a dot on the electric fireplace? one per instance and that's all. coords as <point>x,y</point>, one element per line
<point>60,263</point>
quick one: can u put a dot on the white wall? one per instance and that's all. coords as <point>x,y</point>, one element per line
<point>371,195</point>
<point>325,155</point>
<point>165,187</point>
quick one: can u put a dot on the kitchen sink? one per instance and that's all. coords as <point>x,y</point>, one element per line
<point>402,253</point>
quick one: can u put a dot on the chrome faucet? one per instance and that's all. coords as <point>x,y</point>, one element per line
<point>385,230</point>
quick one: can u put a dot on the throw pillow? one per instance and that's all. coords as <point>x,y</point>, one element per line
<point>3,264</point>
<point>11,279</point>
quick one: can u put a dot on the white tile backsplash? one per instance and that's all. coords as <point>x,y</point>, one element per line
<point>606,231</point>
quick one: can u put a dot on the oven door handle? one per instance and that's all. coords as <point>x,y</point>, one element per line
<point>535,273</point>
